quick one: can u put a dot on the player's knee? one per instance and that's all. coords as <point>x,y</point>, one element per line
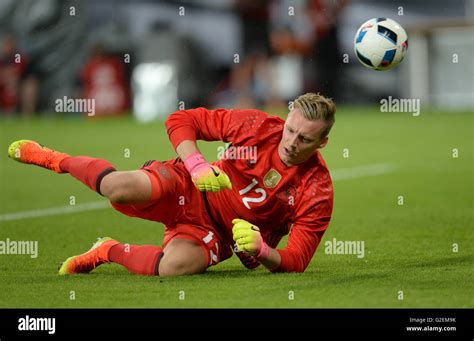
<point>118,196</point>
<point>122,188</point>
<point>179,266</point>
<point>113,189</point>
<point>172,268</point>
<point>183,261</point>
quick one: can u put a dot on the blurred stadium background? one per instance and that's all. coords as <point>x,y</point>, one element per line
<point>141,60</point>
<point>146,57</point>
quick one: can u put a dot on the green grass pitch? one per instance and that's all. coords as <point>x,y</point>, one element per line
<point>415,219</point>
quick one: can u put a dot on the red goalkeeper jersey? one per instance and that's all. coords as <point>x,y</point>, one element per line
<point>278,199</point>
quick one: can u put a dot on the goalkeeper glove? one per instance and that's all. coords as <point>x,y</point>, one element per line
<point>206,177</point>
<point>248,239</point>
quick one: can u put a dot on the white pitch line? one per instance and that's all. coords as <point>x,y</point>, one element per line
<point>336,175</point>
<point>362,171</point>
<point>45,212</point>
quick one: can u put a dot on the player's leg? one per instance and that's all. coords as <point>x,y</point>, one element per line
<point>139,259</point>
<point>128,187</point>
<point>190,249</point>
<point>98,174</point>
<point>182,256</point>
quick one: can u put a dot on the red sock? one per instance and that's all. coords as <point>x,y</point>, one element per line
<point>139,259</point>
<point>87,170</point>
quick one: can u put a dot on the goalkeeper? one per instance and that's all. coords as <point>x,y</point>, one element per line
<point>242,204</point>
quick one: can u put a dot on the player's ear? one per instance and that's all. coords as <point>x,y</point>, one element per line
<point>324,142</point>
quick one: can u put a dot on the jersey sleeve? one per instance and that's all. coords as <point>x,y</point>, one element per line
<point>311,221</point>
<point>212,125</point>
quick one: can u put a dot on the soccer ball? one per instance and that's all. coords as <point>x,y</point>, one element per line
<point>380,43</point>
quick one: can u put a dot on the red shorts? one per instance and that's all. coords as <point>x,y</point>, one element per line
<point>180,207</point>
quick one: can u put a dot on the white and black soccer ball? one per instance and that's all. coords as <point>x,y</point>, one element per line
<point>380,43</point>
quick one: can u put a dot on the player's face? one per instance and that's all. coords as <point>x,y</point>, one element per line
<point>301,138</point>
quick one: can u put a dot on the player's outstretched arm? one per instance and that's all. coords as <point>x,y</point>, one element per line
<point>249,240</point>
<point>206,177</point>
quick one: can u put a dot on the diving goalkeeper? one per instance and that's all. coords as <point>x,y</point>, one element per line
<point>210,210</point>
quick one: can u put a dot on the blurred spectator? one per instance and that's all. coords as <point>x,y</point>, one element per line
<point>250,76</point>
<point>18,84</point>
<point>103,78</point>
<point>325,56</point>
<point>53,34</point>
<point>286,54</point>
<point>311,33</point>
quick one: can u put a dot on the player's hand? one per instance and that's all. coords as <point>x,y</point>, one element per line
<point>248,238</point>
<point>211,179</point>
<point>206,178</point>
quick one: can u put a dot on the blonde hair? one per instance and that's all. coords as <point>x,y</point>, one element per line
<point>316,107</point>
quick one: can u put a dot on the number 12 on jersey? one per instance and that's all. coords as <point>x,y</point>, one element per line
<point>247,200</point>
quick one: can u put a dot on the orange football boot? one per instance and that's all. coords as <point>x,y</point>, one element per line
<point>32,152</point>
<point>88,261</point>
